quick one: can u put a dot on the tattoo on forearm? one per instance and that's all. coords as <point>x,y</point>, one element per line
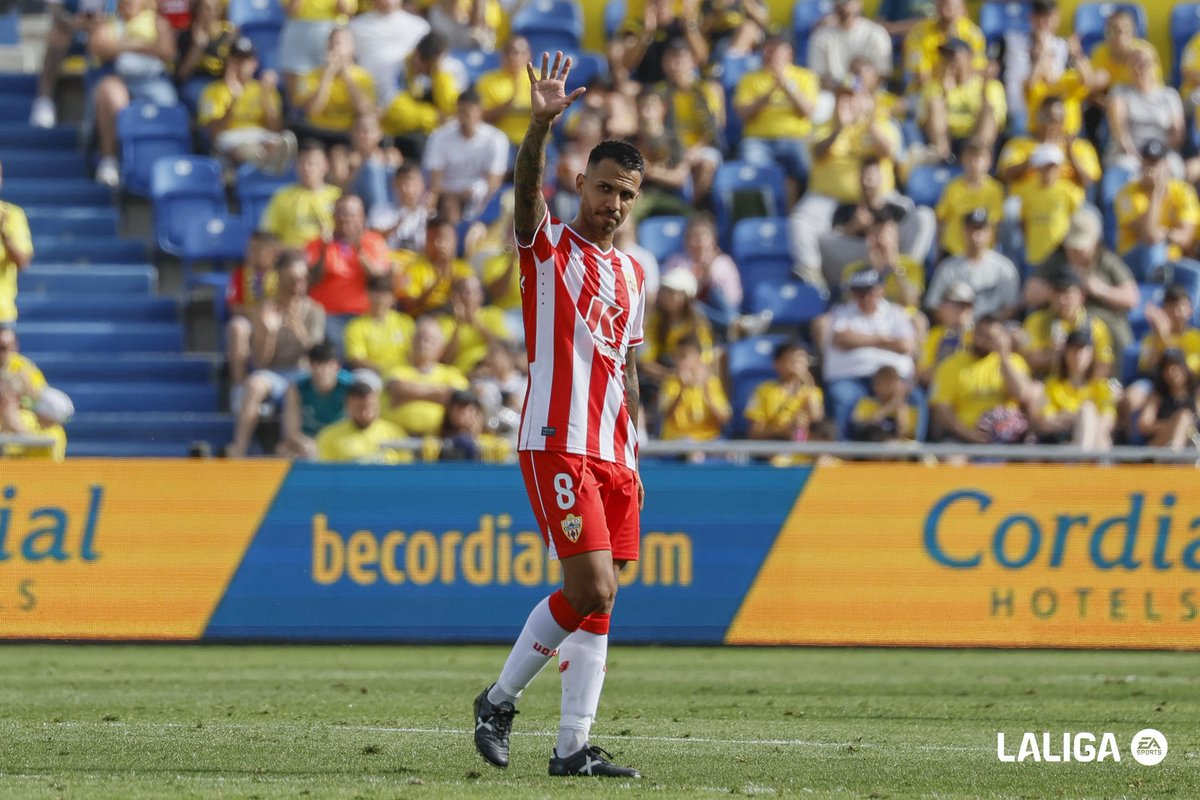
<point>633,390</point>
<point>528,175</point>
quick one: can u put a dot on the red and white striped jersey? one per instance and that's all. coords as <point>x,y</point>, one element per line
<point>583,310</point>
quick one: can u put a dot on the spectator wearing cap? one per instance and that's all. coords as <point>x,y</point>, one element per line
<point>304,40</point>
<point>886,414</point>
<point>20,370</point>
<point>696,109</point>
<point>381,339</point>
<point>1046,331</point>
<point>342,264</point>
<point>251,284</point>
<point>1171,329</point>
<point>464,434</point>
<point>840,149</point>
<point>314,401</point>
<point>980,394</point>
<point>718,282</point>
<point>1081,163</point>
<point>637,51</point>
<point>423,285</point>
<point>385,36</point>
<point>861,336</point>
<point>283,331</point>
<point>846,243</point>
<point>1078,403</point>
<point>973,189</point>
<point>471,328</point>
<point>1142,112</point>
<point>1047,206</point>
<point>303,211</point>
<point>45,420</point>
<point>954,319</point>
<point>429,96</point>
<point>466,158</point>
<point>923,53</point>
<point>784,409</point>
<point>903,277</point>
<point>1109,288</point>
<point>1113,58</point>
<point>993,280</point>
<point>1017,58</point>
<point>1156,214</point>
<point>1170,416</point>
<point>674,316</point>
<point>960,102</point>
<point>16,253</point>
<point>504,92</point>
<point>776,106</point>
<point>692,403</point>
<point>244,116</point>
<point>335,94</point>
<point>1072,84</point>
<point>205,44</point>
<point>418,392</point>
<point>360,436</point>
<point>846,36</point>
<point>401,222</point>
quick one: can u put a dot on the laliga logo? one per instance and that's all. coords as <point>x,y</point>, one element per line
<point>1148,746</point>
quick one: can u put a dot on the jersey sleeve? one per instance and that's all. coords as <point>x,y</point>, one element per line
<point>540,245</point>
<point>637,312</point>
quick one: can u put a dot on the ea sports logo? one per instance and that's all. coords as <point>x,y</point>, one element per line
<point>1149,747</point>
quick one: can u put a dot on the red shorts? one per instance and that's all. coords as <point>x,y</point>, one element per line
<point>582,504</point>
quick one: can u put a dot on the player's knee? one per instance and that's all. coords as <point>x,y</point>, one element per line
<point>593,596</point>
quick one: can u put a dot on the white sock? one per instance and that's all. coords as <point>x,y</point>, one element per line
<point>581,661</point>
<point>537,644</point>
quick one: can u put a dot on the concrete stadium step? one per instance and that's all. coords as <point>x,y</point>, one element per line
<point>92,448</point>
<point>49,278</point>
<point>77,192</point>
<point>42,165</point>
<point>70,223</point>
<point>141,397</point>
<point>128,367</point>
<point>103,338</point>
<point>27,137</point>
<point>96,307</point>
<point>217,429</point>
<point>89,250</point>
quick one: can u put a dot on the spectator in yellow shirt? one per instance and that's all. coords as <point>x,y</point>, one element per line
<point>1078,405</point>
<point>302,212</point>
<point>244,116</point>
<point>1046,331</point>
<point>359,436</point>
<point>16,253</point>
<point>960,103</point>
<point>331,97</point>
<point>418,392</point>
<point>429,96</point>
<point>305,35</point>
<point>1113,58</point>
<point>785,408</point>
<point>922,44</point>
<point>471,328</point>
<point>954,319</point>
<point>975,188</point>
<point>692,402</point>
<point>1171,328</point>
<point>423,285</point>
<point>776,105</point>
<point>504,92</point>
<point>885,415</point>
<point>697,110</point>
<point>1189,71</point>
<point>45,420</point>
<point>1072,85</point>
<point>1081,163</point>
<point>464,437</point>
<point>1156,215</point>
<point>1047,206</point>
<point>381,339</point>
<point>24,374</point>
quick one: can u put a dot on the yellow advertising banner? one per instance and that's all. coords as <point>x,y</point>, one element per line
<point>1008,556</point>
<point>124,549</point>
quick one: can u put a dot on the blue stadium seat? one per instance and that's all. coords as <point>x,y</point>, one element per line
<point>1185,23</point>
<point>184,189</point>
<point>734,181</point>
<point>792,303</point>
<point>585,68</point>
<point>1187,275</point>
<point>68,223</point>
<point>58,279</point>
<point>42,165</point>
<point>1090,19</point>
<point>261,21</point>
<point>89,307</point>
<point>1148,293</point>
<point>118,397</point>
<point>476,62</point>
<point>751,361</point>
<point>21,135</point>
<point>805,16</point>
<point>126,367</point>
<point>562,19</point>
<point>760,249</point>
<point>927,182</point>
<point>662,236</point>
<point>103,337</point>
<point>732,69</point>
<point>997,19</point>
<point>254,190</point>
<point>148,425</point>
<point>614,16</point>
<point>90,250</point>
<point>1129,363</point>
<point>76,193</point>
<point>10,27</point>
<point>218,239</point>
<point>147,132</point>
<point>1111,183</point>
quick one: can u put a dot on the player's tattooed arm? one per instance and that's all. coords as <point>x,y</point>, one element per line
<point>633,389</point>
<point>529,206</point>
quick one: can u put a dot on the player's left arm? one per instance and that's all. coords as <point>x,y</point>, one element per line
<point>633,402</point>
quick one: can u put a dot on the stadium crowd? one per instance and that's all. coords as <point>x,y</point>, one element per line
<point>900,228</point>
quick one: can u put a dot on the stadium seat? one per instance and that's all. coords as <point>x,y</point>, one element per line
<point>926,183</point>
<point>1185,23</point>
<point>751,361</point>
<point>614,17</point>
<point>997,19</point>
<point>760,249</point>
<point>254,190</point>
<point>792,303</point>
<point>91,250</point>
<point>585,68</point>
<point>1187,275</point>
<point>146,133</point>
<point>45,278</point>
<point>10,28</point>
<point>1148,293</point>
<point>546,20</point>
<point>1111,183</point>
<point>741,190</point>
<point>806,14</point>
<point>731,69</point>
<point>662,236</point>
<point>1129,363</point>
<point>218,239</point>
<point>184,189</point>
<point>1090,19</point>
<point>261,21</point>
<point>476,62</point>
<point>42,165</point>
<point>72,222</point>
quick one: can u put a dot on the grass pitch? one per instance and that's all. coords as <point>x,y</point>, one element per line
<point>381,722</point>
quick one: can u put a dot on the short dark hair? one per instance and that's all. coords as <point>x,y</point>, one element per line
<point>323,351</point>
<point>431,46</point>
<point>289,256</point>
<point>988,319</point>
<point>406,169</point>
<point>787,348</point>
<point>434,223</point>
<point>625,154</point>
<point>689,342</point>
<point>469,95</point>
<point>309,146</point>
<point>1176,293</point>
<point>380,283</point>
<point>264,236</point>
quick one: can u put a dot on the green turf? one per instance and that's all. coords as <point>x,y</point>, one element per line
<point>325,722</point>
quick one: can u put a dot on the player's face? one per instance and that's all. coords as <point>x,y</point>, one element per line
<point>607,192</point>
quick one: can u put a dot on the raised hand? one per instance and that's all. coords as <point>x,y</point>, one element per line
<point>548,93</point>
